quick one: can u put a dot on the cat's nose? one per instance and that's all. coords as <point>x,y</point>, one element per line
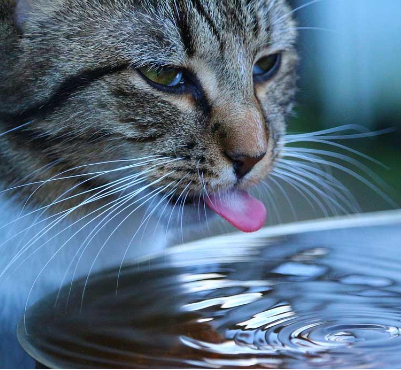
<point>243,164</point>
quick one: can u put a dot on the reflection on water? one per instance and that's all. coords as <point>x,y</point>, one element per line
<point>311,299</point>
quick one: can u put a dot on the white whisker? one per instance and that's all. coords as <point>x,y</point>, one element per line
<point>37,278</point>
<point>172,210</point>
<point>64,214</point>
<point>140,226</point>
<point>118,226</point>
<point>182,213</point>
<point>297,9</point>
<point>56,178</point>
<point>344,147</point>
<point>349,172</point>
<point>303,190</point>
<point>320,181</point>
<point>16,128</point>
<point>274,203</point>
<point>325,176</point>
<point>287,198</point>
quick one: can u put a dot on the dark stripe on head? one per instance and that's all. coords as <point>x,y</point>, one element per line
<point>145,139</point>
<point>255,19</point>
<point>185,30</point>
<point>65,90</point>
<point>49,145</point>
<point>36,141</point>
<point>213,27</point>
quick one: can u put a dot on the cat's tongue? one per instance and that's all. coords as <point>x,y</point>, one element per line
<point>240,209</point>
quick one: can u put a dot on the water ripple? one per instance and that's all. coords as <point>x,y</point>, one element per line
<point>324,299</point>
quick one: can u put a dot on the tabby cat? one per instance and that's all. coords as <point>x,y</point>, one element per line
<point>121,120</point>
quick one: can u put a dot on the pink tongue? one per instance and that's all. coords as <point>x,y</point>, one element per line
<point>239,209</point>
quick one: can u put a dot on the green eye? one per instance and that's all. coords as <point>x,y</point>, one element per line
<point>165,76</point>
<point>267,66</point>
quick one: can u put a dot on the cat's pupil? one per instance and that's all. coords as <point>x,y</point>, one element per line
<point>165,76</point>
<point>266,66</point>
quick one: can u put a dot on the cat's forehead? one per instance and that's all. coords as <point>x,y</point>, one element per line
<point>216,29</point>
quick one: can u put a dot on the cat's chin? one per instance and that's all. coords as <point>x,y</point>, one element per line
<point>188,214</point>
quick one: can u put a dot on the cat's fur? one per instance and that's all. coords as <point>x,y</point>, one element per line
<point>68,78</point>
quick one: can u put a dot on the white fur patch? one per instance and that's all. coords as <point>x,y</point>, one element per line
<point>41,268</point>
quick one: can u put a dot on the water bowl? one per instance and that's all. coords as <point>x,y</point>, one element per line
<point>314,295</point>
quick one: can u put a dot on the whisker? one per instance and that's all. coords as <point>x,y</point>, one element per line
<point>349,172</point>
<point>323,29</point>
<point>171,193</point>
<point>345,158</point>
<point>31,242</point>
<point>271,6</point>
<point>58,220</point>
<point>204,191</point>
<point>326,142</point>
<point>303,191</point>
<point>159,190</point>
<point>172,210</point>
<point>55,178</point>
<point>297,9</point>
<point>182,213</point>
<point>109,211</point>
<point>103,187</point>
<point>54,255</point>
<point>326,186</point>
<point>287,198</point>
<point>324,175</point>
<point>110,217</point>
<point>330,201</point>
<point>125,218</point>
<point>38,171</point>
<point>16,128</point>
<point>65,213</point>
<point>297,187</point>
<point>170,196</point>
<point>200,180</point>
<point>364,133</point>
<point>35,281</point>
<point>272,197</point>
<point>58,201</point>
<point>144,217</point>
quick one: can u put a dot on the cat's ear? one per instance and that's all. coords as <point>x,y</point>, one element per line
<point>23,10</point>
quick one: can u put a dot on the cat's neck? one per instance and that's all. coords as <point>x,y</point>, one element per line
<point>53,250</point>
<point>47,263</point>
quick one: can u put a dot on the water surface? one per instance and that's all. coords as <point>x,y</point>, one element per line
<point>328,298</point>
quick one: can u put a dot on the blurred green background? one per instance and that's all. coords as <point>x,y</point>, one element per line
<point>350,74</point>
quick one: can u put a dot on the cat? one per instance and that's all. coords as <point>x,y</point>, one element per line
<point>124,121</point>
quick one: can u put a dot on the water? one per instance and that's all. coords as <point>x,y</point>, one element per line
<point>308,299</point>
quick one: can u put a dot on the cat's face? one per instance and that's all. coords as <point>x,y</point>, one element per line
<point>210,120</point>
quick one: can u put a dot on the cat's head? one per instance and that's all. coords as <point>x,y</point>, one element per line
<point>193,94</point>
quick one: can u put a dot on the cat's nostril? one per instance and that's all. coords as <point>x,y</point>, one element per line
<point>243,164</point>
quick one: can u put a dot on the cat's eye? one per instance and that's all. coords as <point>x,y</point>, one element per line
<point>266,67</point>
<point>170,77</point>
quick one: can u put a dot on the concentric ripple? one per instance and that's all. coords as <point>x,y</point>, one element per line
<point>308,334</point>
<point>326,299</point>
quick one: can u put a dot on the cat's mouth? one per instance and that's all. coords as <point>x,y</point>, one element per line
<point>177,200</point>
<point>238,207</point>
